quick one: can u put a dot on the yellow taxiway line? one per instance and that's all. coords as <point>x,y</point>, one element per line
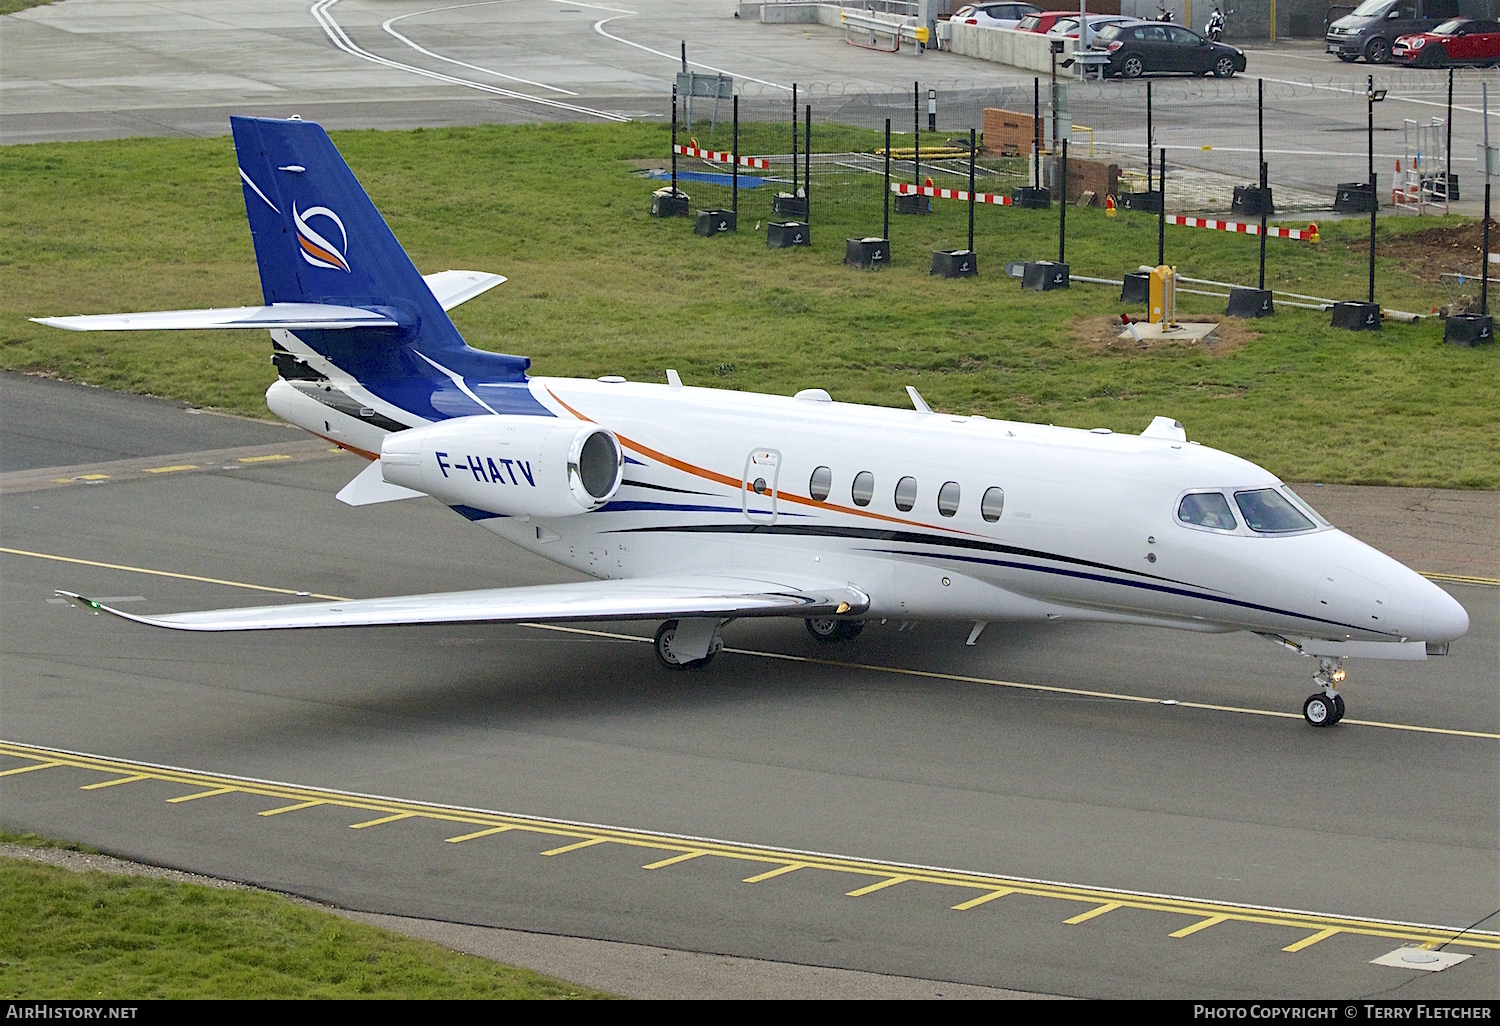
<point>1306,928</point>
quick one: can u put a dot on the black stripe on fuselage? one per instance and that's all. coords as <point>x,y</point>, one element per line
<point>663,488</point>
<point>899,537</point>
<point>1134,584</point>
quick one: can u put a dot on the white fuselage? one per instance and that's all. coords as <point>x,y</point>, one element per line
<point>1088,528</point>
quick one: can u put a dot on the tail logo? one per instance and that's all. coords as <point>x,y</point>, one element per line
<point>316,249</point>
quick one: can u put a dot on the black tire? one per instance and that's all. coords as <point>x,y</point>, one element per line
<point>1224,67</point>
<point>1320,710</point>
<point>663,649</point>
<point>826,630</point>
<point>1131,66</point>
<point>1435,56</point>
<point>1378,50</point>
<point>1338,707</point>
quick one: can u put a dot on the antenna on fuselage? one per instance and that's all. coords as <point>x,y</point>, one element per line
<point>917,400</point>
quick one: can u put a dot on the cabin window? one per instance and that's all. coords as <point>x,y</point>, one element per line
<point>993,504</point>
<point>820,484</point>
<point>864,488</point>
<point>906,494</point>
<point>948,499</point>
<point>1267,511</point>
<point>1207,509</point>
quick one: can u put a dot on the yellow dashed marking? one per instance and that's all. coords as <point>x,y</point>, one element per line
<point>202,794</point>
<point>478,833</point>
<point>292,808</point>
<point>111,783</point>
<point>1093,913</point>
<point>170,470</point>
<point>28,769</point>
<point>575,847</point>
<point>1307,942</point>
<point>778,871</point>
<point>987,887</point>
<point>381,820</point>
<point>262,459</point>
<point>685,856</point>
<point>1203,924</point>
<point>882,885</point>
<point>983,899</point>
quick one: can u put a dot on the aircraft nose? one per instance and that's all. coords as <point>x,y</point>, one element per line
<point>1443,619</point>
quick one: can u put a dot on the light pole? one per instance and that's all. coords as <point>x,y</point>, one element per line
<point>1372,97</point>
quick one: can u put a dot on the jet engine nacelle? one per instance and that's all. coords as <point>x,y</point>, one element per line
<point>515,466</point>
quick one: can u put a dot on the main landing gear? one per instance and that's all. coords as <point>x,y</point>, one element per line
<point>827,630</point>
<point>1326,708</point>
<point>688,644</point>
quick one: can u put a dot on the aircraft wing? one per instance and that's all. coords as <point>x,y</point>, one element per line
<point>648,598</point>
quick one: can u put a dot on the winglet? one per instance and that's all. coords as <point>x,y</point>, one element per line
<point>917,400</point>
<point>94,605</point>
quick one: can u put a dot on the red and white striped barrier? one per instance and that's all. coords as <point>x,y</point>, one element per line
<point>956,194</point>
<point>1308,234</point>
<point>719,157</point>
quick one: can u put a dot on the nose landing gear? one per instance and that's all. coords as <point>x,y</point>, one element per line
<point>1326,708</point>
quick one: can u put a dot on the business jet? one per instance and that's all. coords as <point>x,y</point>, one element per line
<point>695,506</point>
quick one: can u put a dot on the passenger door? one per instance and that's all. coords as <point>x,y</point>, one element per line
<point>758,486</point>
<point>1190,51</point>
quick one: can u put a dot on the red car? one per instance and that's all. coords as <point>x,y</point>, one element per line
<point>1044,21</point>
<point>1455,42</point>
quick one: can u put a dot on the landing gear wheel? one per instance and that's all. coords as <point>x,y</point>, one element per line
<point>1320,710</point>
<point>826,630</point>
<point>1338,708</point>
<point>664,654</point>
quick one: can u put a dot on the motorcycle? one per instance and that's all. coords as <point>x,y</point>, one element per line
<point>1215,28</point>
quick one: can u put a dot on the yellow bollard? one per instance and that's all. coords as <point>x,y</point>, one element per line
<point>1163,297</point>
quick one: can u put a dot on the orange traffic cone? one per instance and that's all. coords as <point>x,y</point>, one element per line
<point>1312,230</point>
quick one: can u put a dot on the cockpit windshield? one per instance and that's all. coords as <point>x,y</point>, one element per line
<point>1267,511</point>
<point>1207,509</point>
<point>1306,507</point>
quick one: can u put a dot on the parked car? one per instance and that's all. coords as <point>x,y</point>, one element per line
<point>1372,30</point>
<point>1068,27</point>
<point>1143,47</point>
<point>1457,42</point>
<point>1043,21</point>
<point>994,15</point>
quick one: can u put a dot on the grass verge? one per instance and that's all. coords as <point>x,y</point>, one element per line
<point>68,935</point>
<point>597,287</point>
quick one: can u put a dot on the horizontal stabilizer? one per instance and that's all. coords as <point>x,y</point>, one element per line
<point>650,598</point>
<point>454,287</point>
<point>370,486</point>
<point>291,316</point>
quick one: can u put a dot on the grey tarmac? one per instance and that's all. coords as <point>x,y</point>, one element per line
<point>839,755</point>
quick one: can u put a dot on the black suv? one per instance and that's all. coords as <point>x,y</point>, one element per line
<point>1371,30</point>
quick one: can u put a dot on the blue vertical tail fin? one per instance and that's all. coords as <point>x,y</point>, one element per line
<point>319,239</point>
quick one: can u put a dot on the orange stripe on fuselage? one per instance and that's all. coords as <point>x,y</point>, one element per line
<point>734,482</point>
